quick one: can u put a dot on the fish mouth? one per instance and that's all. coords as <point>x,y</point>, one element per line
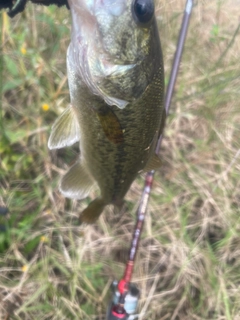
<point>114,7</point>
<point>94,7</point>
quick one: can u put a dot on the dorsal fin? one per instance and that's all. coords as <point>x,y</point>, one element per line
<point>153,164</point>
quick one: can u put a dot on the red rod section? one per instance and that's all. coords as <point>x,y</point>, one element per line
<point>124,282</point>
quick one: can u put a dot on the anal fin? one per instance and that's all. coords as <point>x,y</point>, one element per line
<point>77,182</point>
<point>65,130</point>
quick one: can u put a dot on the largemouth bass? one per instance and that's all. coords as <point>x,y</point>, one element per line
<point>116,84</point>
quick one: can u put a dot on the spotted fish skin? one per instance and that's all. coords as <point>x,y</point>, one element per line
<point>116,83</point>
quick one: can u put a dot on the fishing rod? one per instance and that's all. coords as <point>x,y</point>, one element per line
<point>125,294</point>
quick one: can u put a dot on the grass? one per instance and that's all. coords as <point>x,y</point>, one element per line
<point>188,265</point>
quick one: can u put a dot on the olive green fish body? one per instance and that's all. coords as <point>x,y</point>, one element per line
<point>119,162</point>
<point>116,117</point>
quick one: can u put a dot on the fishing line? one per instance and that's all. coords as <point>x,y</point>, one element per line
<point>1,71</point>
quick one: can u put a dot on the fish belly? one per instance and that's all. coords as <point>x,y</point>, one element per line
<point>114,165</point>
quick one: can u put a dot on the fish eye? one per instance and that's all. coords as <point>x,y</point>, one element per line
<point>143,11</point>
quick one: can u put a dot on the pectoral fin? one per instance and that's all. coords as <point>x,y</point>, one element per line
<point>110,125</point>
<point>77,182</point>
<point>153,164</point>
<point>65,130</point>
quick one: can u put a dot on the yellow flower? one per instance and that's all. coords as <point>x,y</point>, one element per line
<point>24,268</point>
<point>45,107</point>
<point>23,50</point>
<point>43,239</point>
